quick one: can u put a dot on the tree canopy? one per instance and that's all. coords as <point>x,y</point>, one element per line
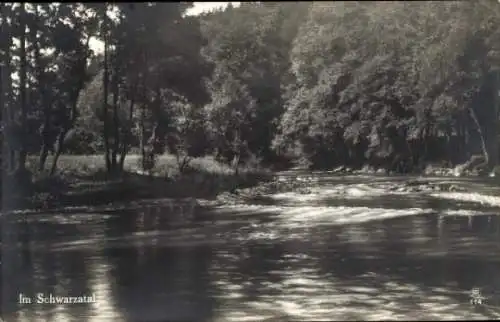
<point>389,84</point>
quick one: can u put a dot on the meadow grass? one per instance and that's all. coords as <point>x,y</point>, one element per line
<point>82,179</point>
<point>166,165</point>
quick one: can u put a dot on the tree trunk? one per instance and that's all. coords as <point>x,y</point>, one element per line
<point>8,114</point>
<point>496,102</point>
<point>44,152</point>
<point>82,68</point>
<point>142,130</point>
<point>466,142</point>
<point>46,132</point>
<point>449,150</point>
<point>484,146</point>
<point>126,137</point>
<point>459,143</point>
<point>5,94</point>
<point>237,149</point>
<point>236,163</point>
<point>58,152</point>
<point>142,118</point>
<point>105,95</point>
<point>21,162</point>
<point>3,104</point>
<point>422,148</point>
<point>182,158</point>
<point>116,124</point>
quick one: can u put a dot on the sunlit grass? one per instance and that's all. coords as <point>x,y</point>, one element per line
<point>84,179</point>
<point>166,165</point>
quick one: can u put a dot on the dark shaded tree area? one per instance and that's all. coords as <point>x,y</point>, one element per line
<point>394,85</point>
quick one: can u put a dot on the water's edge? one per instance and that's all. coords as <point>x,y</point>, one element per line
<point>308,246</point>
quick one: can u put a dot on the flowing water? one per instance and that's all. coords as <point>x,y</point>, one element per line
<point>348,248</point>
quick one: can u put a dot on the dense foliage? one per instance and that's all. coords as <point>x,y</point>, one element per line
<point>390,84</point>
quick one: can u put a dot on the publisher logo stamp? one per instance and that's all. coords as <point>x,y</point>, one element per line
<point>476,297</point>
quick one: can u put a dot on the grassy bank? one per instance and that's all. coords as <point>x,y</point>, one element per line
<point>82,180</point>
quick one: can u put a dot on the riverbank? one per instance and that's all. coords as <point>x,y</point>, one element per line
<point>301,184</point>
<point>82,181</point>
<point>462,170</point>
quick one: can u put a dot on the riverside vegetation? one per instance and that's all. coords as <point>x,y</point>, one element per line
<point>398,86</point>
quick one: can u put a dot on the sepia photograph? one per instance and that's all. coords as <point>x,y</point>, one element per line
<point>250,161</point>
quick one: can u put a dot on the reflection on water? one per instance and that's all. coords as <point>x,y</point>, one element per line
<point>282,262</point>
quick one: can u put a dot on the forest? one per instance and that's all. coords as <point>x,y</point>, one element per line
<point>394,85</point>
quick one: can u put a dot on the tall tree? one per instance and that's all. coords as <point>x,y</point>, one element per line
<point>23,72</point>
<point>6,86</point>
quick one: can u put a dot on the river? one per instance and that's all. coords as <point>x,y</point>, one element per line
<point>348,248</point>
